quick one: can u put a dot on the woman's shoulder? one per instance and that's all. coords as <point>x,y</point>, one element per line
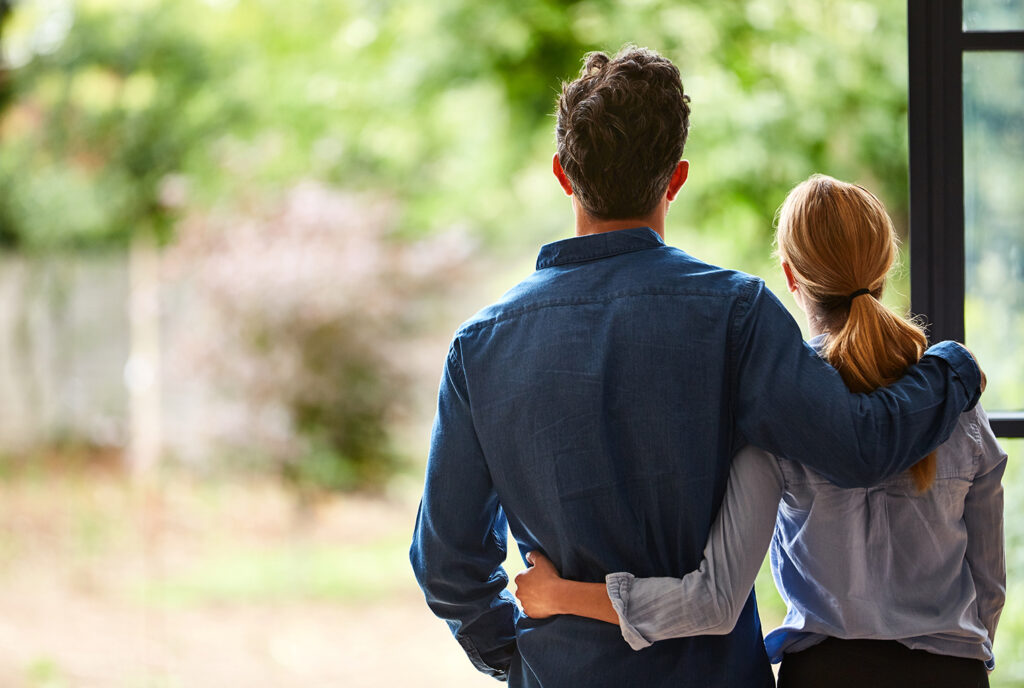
<point>971,448</point>
<point>960,452</point>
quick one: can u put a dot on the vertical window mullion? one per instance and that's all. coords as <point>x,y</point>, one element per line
<point>936,166</point>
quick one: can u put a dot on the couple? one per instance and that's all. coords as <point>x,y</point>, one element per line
<point>597,408</point>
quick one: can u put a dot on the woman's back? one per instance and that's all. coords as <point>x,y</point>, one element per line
<point>890,562</point>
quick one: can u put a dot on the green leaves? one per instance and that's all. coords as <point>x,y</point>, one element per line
<point>445,105</point>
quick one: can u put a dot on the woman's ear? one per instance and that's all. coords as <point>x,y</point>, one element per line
<point>790,279</point>
<point>794,287</point>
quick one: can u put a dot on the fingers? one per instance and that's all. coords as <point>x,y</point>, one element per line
<point>520,580</point>
<point>984,379</point>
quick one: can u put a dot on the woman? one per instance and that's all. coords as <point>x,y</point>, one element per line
<point>900,584</point>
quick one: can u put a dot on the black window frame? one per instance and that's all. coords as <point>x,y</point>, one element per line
<point>937,42</point>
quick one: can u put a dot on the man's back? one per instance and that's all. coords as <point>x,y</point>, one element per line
<point>600,390</point>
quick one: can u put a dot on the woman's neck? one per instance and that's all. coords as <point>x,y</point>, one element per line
<point>818,324</point>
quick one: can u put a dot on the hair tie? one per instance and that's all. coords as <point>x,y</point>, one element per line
<point>859,292</point>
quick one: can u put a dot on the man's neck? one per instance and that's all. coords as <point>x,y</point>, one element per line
<point>586,224</point>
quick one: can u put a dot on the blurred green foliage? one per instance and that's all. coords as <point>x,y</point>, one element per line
<point>126,117</point>
<point>445,104</point>
<point>993,210</point>
<point>110,104</point>
<point>1009,643</point>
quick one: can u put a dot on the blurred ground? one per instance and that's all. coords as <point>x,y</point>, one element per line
<point>199,583</point>
<point>209,583</point>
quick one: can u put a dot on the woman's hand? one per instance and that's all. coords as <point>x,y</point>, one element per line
<point>539,588</point>
<point>544,593</point>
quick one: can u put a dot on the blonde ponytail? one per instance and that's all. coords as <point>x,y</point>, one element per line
<point>839,241</point>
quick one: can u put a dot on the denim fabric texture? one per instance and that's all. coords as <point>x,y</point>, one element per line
<point>596,407</point>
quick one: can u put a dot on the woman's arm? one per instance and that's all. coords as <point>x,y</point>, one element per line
<point>983,518</point>
<point>705,601</point>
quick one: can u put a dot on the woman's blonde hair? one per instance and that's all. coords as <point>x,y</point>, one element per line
<point>838,240</point>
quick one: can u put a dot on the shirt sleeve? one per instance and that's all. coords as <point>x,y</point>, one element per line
<point>983,518</point>
<point>792,403</point>
<point>460,539</point>
<point>708,601</point>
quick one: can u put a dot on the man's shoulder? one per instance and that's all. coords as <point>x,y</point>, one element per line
<point>526,293</point>
<point>667,271</point>
<point>698,274</point>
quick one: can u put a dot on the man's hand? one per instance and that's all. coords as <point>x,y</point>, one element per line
<point>984,380</point>
<point>539,588</point>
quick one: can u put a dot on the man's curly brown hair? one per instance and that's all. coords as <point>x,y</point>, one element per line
<point>621,130</point>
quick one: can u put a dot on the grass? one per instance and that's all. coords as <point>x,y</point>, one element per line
<point>361,574</point>
<point>44,672</point>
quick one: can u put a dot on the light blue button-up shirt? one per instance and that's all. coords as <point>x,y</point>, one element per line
<point>886,562</point>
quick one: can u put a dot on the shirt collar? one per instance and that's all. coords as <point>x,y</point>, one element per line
<point>818,343</point>
<point>594,246</point>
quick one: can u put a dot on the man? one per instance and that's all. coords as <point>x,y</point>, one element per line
<point>598,404</point>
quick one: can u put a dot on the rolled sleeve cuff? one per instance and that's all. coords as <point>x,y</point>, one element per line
<point>499,673</point>
<point>963,364</point>
<point>619,586</point>
<point>990,663</point>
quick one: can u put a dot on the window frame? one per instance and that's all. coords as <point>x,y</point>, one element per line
<point>937,42</point>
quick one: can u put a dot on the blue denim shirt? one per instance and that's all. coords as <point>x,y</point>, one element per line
<point>924,568</point>
<point>597,407</point>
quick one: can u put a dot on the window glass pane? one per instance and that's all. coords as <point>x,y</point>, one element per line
<point>1009,646</point>
<point>993,15</point>
<point>994,221</point>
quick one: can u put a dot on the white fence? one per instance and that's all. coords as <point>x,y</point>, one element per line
<point>63,347</point>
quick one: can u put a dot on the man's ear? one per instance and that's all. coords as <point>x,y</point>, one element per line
<point>790,279</point>
<point>678,179</point>
<point>563,180</point>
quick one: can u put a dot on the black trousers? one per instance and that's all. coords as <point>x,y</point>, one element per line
<point>836,663</point>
